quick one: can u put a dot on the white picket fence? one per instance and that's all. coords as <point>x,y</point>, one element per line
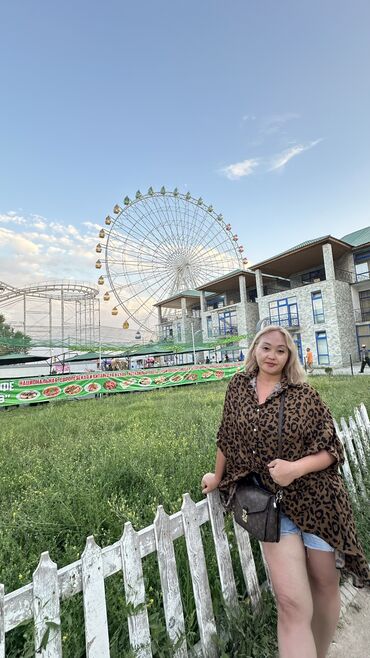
<point>41,599</point>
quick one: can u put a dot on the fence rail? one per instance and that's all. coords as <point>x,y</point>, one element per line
<point>41,599</point>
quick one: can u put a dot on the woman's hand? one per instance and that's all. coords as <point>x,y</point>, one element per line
<point>209,482</point>
<point>283,472</point>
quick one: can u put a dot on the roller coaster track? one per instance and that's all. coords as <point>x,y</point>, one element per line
<point>63,290</point>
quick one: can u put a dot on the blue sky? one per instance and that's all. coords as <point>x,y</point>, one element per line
<point>261,107</point>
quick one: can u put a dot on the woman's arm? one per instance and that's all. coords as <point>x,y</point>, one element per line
<point>211,481</point>
<point>284,472</point>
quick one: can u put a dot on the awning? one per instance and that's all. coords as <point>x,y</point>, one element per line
<point>9,359</point>
<point>87,356</point>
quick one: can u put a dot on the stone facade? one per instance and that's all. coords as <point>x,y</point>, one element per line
<point>334,279</point>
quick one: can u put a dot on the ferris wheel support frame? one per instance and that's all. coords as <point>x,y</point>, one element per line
<point>111,222</point>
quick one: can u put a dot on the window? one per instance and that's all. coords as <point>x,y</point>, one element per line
<point>298,343</point>
<point>227,323</point>
<point>365,305</point>
<point>314,275</point>
<point>167,332</point>
<point>178,327</point>
<point>252,295</point>
<point>284,312</point>
<point>209,326</point>
<point>363,335</point>
<point>216,302</point>
<point>322,348</point>
<point>362,266</point>
<point>317,307</point>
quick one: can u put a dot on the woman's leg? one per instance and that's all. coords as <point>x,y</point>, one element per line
<point>288,570</point>
<point>324,581</point>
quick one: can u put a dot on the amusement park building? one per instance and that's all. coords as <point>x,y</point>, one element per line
<point>319,290</point>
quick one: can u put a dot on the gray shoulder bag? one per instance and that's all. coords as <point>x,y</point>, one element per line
<point>256,509</point>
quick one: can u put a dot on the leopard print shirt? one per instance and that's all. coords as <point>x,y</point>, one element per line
<point>318,502</point>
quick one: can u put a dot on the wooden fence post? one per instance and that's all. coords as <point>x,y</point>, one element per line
<point>95,609</point>
<point>365,418</point>
<point>48,642</point>
<point>352,453</point>
<point>362,429</point>
<point>2,623</point>
<point>347,473</point>
<point>247,564</point>
<point>172,603</point>
<point>199,577</point>
<point>225,566</point>
<point>138,620</point>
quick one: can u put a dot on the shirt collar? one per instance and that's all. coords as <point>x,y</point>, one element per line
<point>282,385</point>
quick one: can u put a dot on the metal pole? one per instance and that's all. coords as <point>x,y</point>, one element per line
<point>50,328</point>
<point>62,315</point>
<point>62,320</point>
<point>80,317</point>
<point>90,323</point>
<point>85,310</point>
<point>350,360</point>
<point>76,320</point>
<point>99,334</point>
<point>24,318</point>
<point>192,338</point>
<point>93,320</point>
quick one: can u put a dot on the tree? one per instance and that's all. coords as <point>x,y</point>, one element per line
<point>11,340</point>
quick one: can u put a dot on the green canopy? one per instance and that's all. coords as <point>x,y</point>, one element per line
<point>87,356</point>
<point>9,359</point>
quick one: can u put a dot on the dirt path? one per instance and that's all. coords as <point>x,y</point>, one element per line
<point>352,639</point>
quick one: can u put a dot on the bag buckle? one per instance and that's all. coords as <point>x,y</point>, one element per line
<point>278,496</point>
<point>245,515</point>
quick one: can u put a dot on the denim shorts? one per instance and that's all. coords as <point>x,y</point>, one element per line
<point>288,527</point>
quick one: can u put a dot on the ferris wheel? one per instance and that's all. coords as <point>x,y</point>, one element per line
<point>158,244</point>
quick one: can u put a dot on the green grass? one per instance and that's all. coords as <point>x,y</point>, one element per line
<point>73,469</point>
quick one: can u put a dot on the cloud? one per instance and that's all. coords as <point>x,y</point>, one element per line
<point>12,218</point>
<point>240,169</point>
<point>266,164</point>
<point>273,124</point>
<point>91,225</point>
<point>279,161</point>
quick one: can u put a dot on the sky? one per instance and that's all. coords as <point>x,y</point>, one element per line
<point>260,107</point>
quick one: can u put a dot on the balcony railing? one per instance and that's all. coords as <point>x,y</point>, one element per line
<point>228,331</point>
<point>362,316</point>
<point>286,321</point>
<point>345,275</point>
<point>362,276</point>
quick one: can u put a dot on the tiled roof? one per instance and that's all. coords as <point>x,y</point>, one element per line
<point>300,246</point>
<point>362,236</point>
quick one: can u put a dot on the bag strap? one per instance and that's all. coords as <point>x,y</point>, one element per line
<point>281,420</point>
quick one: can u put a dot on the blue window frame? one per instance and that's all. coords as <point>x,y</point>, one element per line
<point>209,326</point>
<point>363,336</point>
<point>317,307</point>
<point>364,296</point>
<point>298,343</point>
<point>227,323</point>
<point>362,266</point>
<point>284,312</point>
<point>322,348</point>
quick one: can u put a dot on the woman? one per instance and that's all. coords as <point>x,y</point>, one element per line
<point>318,535</point>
